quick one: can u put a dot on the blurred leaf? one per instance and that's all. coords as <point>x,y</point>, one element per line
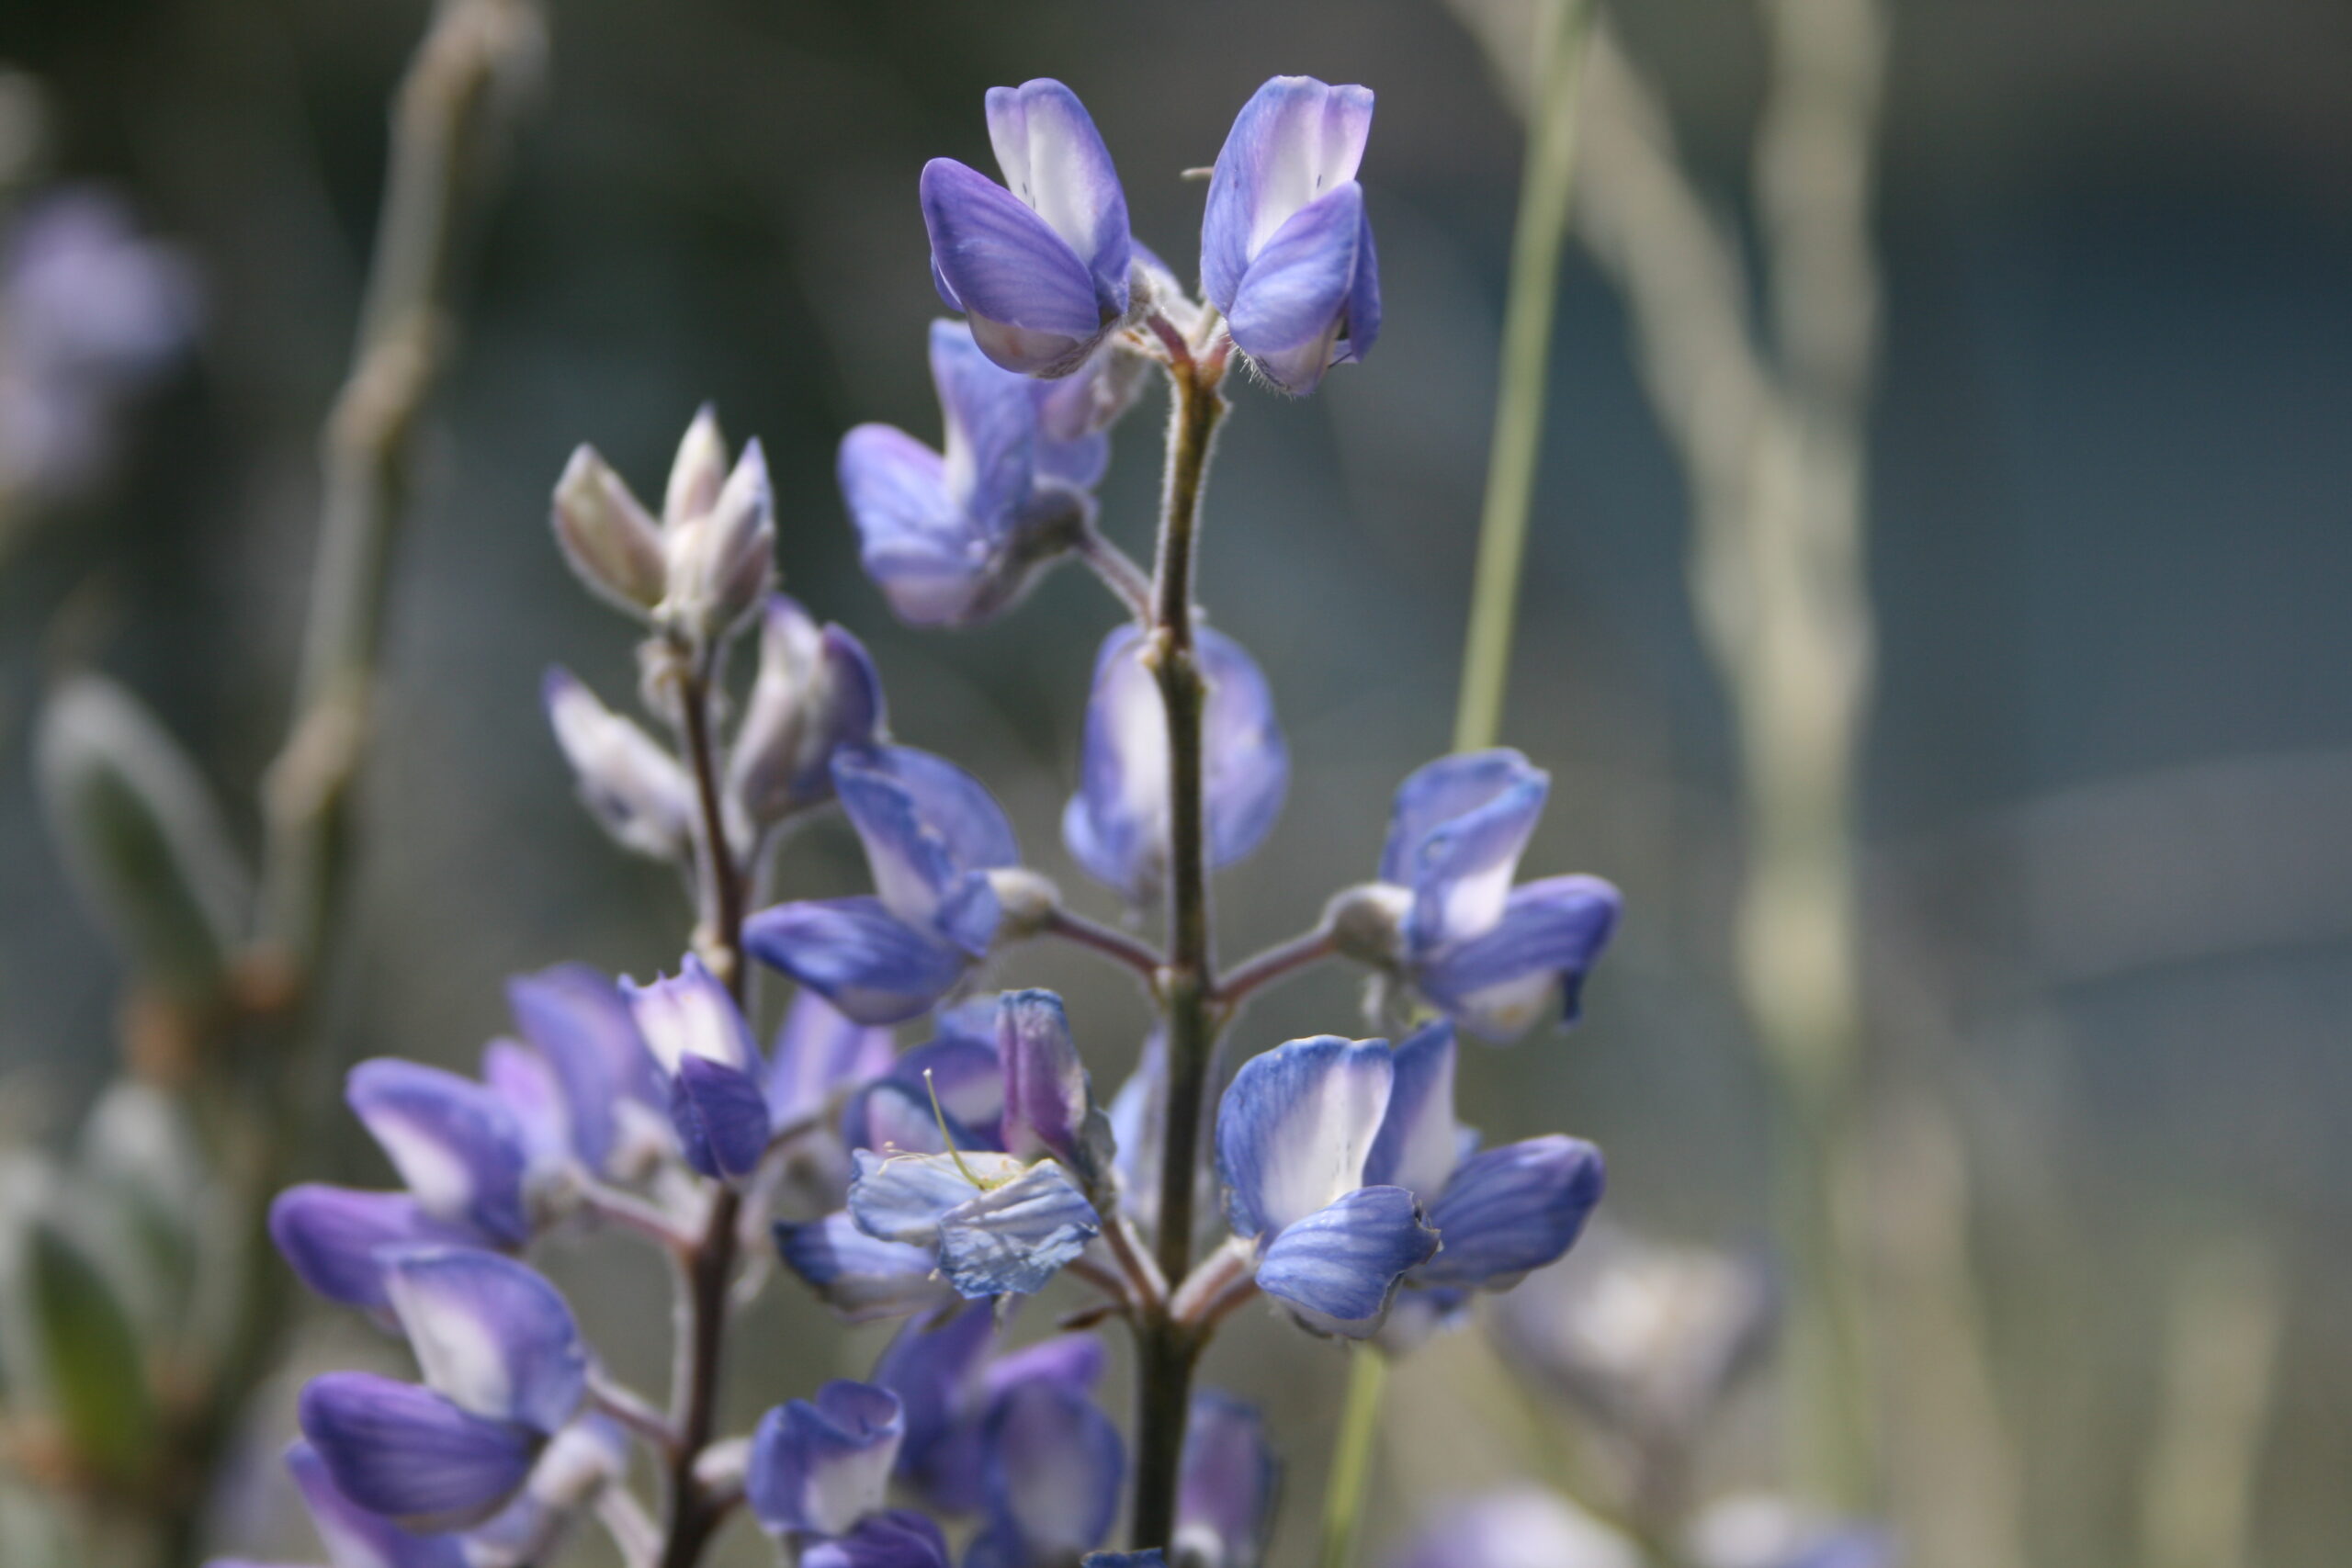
<point>89,1357</point>
<point>143,1201</point>
<point>31,1533</point>
<point>143,838</point>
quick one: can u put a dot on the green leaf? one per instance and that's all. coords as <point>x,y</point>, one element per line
<point>143,838</point>
<point>90,1358</point>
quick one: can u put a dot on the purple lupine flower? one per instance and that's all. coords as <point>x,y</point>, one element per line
<point>820,1054</point>
<point>1150,1557</point>
<point>352,1535</point>
<point>963,1073</point>
<point>1763,1530</point>
<point>586,1456</point>
<point>92,314</point>
<point>1498,1213</point>
<point>946,1372</point>
<point>1041,269</point>
<point>1644,1336</point>
<point>819,1467</point>
<point>457,1146</point>
<point>1293,1130</point>
<point>862,1278</point>
<point>1524,1528</point>
<point>956,537</point>
<point>1287,248</point>
<point>525,1082</point>
<point>1224,1504</point>
<point>1116,825</point>
<point>1051,1467</point>
<point>503,1369</point>
<point>331,1235</point>
<point>718,1093</point>
<point>816,692</point>
<point>616,1106</point>
<point>630,783</point>
<point>932,834</point>
<point>898,1539</point>
<point>1047,1098</point>
<point>1492,957</point>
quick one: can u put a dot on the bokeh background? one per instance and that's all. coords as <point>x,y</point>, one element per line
<point>2108,782</point>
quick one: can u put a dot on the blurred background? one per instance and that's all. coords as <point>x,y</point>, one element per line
<point>2107,785</point>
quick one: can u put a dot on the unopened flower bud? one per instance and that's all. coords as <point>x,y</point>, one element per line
<point>816,691</point>
<point>606,536</point>
<point>721,557</point>
<point>630,785</point>
<point>698,470</point>
<point>1027,899</point>
<point>1367,923</point>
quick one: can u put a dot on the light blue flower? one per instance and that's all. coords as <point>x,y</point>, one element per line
<point>1040,268</point>
<point>1052,1466</point>
<point>1523,1528</point>
<point>931,834</point>
<point>947,1370</point>
<point>862,1278</point>
<point>1293,1130</point>
<point>818,1467</point>
<point>1493,957</point>
<point>999,1225</point>
<point>330,1237</point>
<point>1500,1213</point>
<point>1228,1484</point>
<point>1287,249</point>
<point>956,537</point>
<point>1116,825</point>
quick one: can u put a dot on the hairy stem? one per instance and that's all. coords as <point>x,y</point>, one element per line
<point>1307,948</point>
<point>1166,1349</point>
<point>706,1271</point>
<point>1536,242</point>
<point>1115,945</point>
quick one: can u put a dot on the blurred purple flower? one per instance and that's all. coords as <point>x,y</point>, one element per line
<point>1116,825</point>
<point>956,537</point>
<point>90,314</point>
